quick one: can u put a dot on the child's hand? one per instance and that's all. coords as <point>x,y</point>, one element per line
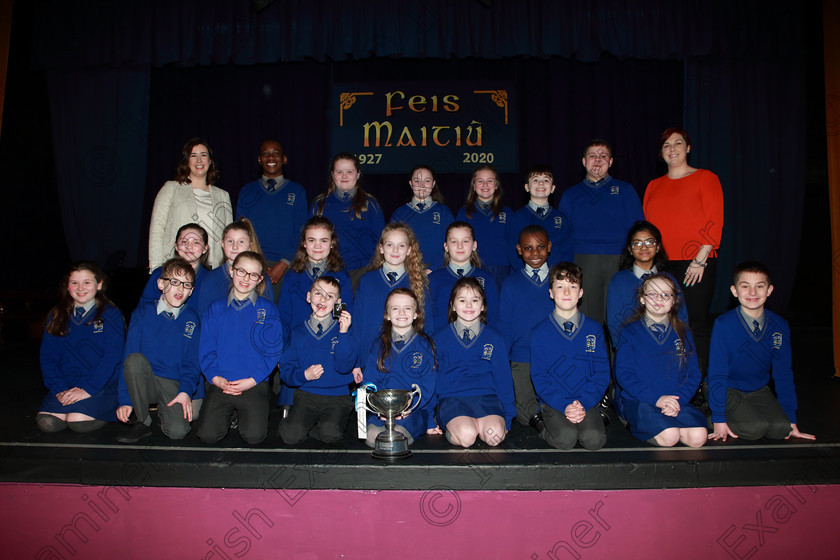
<point>794,432</point>
<point>436,431</point>
<point>276,272</point>
<point>220,382</point>
<point>344,321</point>
<point>71,396</point>
<point>313,372</point>
<point>186,404</point>
<point>241,385</point>
<point>575,413</point>
<point>124,412</point>
<point>358,376</point>
<point>722,431</point>
<point>669,404</point>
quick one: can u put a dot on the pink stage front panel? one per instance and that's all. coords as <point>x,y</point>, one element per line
<point>62,522</point>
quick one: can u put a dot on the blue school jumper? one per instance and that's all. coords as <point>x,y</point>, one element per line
<point>240,342</point>
<point>559,229</point>
<point>336,352</point>
<point>569,367</point>
<point>89,357</point>
<point>151,293</point>
<point>441,282</point>
<point>647,368</point>
<point>373,291</point>
<point>601,214</point>
<point>292,304</point>
<point>475,368</point>
<point>741,360</point>
<point>357,237</point>
<point>215,284</point>
<point>491,233</point>
<point>622,301</point>
<point>429,227</point>
<point>278,216</point>
<point>170,346</point>
<point>412,363</point>
<point>524,302</point>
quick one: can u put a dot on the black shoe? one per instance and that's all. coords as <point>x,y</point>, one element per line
<point>285,410</point>
<point>537,422</point>
<point>135,433</point>
<point>234,420</point>
<point>603,410</point>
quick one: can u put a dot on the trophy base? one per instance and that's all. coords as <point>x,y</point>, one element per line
<point>391,449</point>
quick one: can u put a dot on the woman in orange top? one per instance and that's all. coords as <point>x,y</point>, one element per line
<point>687,205</point>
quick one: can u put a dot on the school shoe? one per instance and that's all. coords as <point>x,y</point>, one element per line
<point>603,409</point>
<point>134,433</point>
<point>537,422</point>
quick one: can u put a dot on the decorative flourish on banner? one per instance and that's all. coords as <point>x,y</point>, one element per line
<point>500,97</point>
<point>347,100</point>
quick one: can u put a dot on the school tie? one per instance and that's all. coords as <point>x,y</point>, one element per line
<point>569,327</point>
<point>466,337</point>
<point>80,312</point>
<point>315,271</point>
<point>392,277</point>
<point>239,303</point>
<point>399,344</point>
<point>271,183</point>
<point>658,330</point>
<point>460,271</point>
<point>536,276</point>
<point>320,330</point>
<point>756,328</point>
<point>540,211</point>
<point>168,314</point>
<point>346,196</point>
<point>484,205</point>
<point>646,275</point>
<point>421,206</point>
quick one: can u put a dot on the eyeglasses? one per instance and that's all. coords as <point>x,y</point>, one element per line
<point>190,243</point>
<point>175,282</point>
<point>650,243</point>
<point>657,296</point>
<point>242,273</point>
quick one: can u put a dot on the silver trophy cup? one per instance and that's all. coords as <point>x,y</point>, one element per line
<point>391,403</point>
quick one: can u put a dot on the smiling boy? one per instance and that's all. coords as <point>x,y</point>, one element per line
<point>569,366</point>
<point>749,346</point>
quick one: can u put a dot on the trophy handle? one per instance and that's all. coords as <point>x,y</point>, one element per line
<point>415,390</point>
<point>370,408</point>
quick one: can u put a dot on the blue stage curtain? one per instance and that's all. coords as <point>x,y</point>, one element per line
<point>100,131</point>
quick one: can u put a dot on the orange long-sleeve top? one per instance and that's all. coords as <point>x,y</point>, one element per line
<point>688,211</point>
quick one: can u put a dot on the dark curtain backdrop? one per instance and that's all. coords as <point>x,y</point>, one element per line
<point>125,73</point>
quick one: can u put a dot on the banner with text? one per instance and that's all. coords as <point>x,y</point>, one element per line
<point>452,127</point>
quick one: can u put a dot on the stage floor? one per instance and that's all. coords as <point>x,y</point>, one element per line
<point>522,462</point>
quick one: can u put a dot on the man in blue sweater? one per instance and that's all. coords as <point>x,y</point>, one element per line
<point>749,346</point>
<point>277,207</point>
<point>601,210</point>
<point>161,358</point>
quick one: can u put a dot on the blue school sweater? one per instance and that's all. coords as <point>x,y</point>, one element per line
<point>522,305</point>
<point>567,368</point>
<point>559,229</point>
<point>370,306</point>
<point>151,293</point>
<point>646,368</point>
<point>411,364</point>
<point>429,227</point>
<point>336,352</point>
<point>215,284</point>
<point>89,356</point>
<point>475,368</point>
<point>491,233</point>
<point>601,215</point>
<point>277,216</point>
<point>622,302</point>
<point>742,361</point>
<point>357,237</point>
<point>240,343</point>
<point>441,282</point>
<point>170,345</point>
<point>292,304</point>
